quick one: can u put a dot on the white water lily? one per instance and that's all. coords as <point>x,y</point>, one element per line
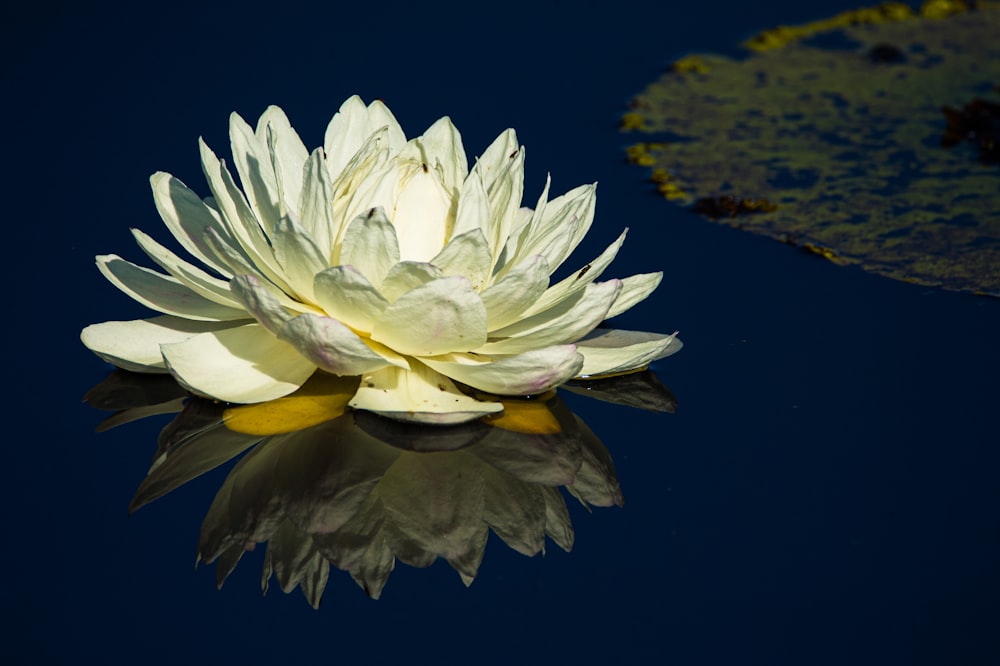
<point>373,256</point>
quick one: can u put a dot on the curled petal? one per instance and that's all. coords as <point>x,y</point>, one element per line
<point>330,345</point>
<point>419,396</point>
<point>435,318</point>
<point>614,351</point>
<point>242,364</point>
<point>635,289</point>
<point>529,373</point>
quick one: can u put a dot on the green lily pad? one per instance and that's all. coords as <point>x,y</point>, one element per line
<point>865,138</point>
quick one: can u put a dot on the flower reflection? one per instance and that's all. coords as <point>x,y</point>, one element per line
<point>321,484</point>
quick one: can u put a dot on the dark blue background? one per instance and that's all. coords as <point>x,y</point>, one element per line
<point>826,493</point>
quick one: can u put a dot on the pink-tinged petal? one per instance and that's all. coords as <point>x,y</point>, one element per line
<point>163,293</point>
<point>370,245</point>
<point>435,318</point>
<point>331,345</point>
<point>188,218</point>
<point>135,345</point>
<point>345,294</point>
<point>615,351</point>
<point>517,291</point>
<point>419,396</point>
<point>635,289</point>
<point>260,302</point>
<point>246,364</point>
<point>567,322</point>
<point>529,373</point>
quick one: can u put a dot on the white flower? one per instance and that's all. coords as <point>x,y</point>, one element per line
<point>373,256</point>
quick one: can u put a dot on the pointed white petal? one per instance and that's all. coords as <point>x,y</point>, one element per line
<point>441,316</point>
<point>495,158</point>
<point>518,290</point>
<point>187,217</point>
<point>288,152</point>
<point>244,364</point>
<point>316,206</point>
<point>557,228</point>
<point>567,322</point>
<point>423,211</point>
<point>443,144</point>
<point>299,256</point>
<point>635,288</point>
<point>253,162</point>
<point>345,294</point>
<point>331,345</point>
<point>135,345</point>
<point>529,373</point>
<point>379,116</point>
<point>578,281</point>
<point>163,293</point>
<point>473,210</point>
<point>406,276</point>
<point>613,351</point>
<point>210,287</point>
<point>370,245</point>
<point>421,396</point>
<point>467,254</point>
<point>347,131</point>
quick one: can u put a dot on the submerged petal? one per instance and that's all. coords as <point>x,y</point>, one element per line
<point>420,396</point>
<point>243,364</point>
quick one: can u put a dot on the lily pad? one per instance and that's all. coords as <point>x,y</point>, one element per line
<point>844,137</point>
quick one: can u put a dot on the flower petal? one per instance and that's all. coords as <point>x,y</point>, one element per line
<point>163,293</point>
<point>568,321</point>
<point>370,245</point>
<point>253,163</point>
<point>467,254</point>
<point>518,290</point>
<point>635,289</point>
<point>210,287</point>
<point>331,345</point>
<point>443,144</point>
<point>243,364</point>
<point>613,351</point>
<point>260,302</point>
<point>473,210</point>
<point>408,275</point>
<point>135,345</point>
<point>575,282</point>
<point>441,316</point>
<point>298,255</point>
<point>423,212</point>
<point>288,153</point>
<point>419,396</point>
<point>530,373</point>
<point>316,205</point>
<point>187,217</point>
<point>345,294</point>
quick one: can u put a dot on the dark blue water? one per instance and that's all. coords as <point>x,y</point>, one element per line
<point>825,494</point>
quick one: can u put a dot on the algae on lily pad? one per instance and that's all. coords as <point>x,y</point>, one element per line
<point>869,138</point>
